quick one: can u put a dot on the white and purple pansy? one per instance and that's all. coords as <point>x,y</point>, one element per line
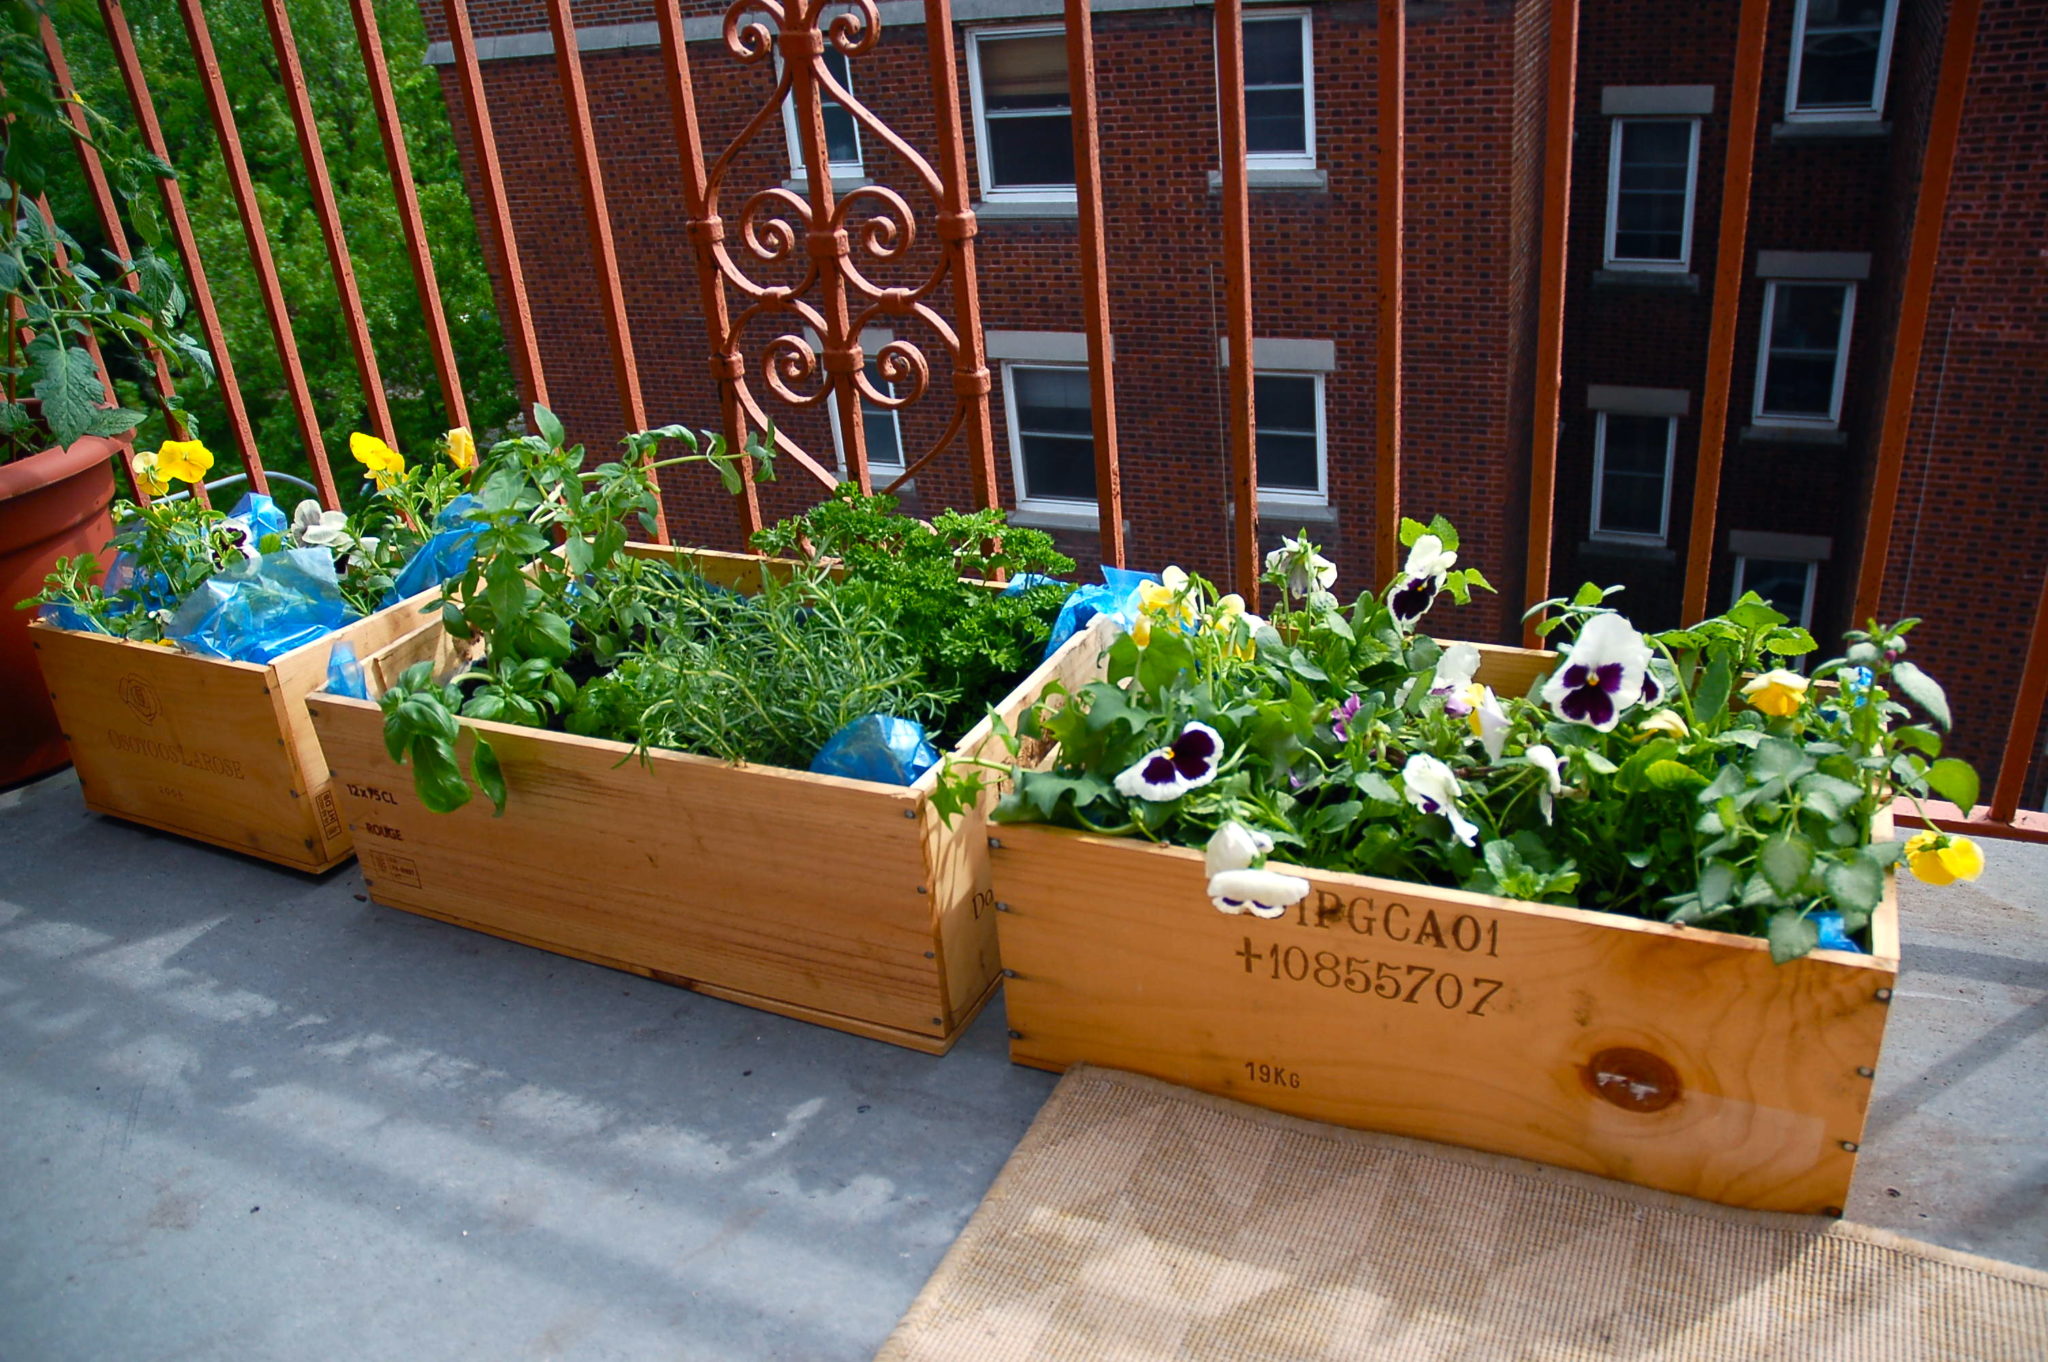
<point>1187,763</point>
<point>1422,577</point>
<point>1433,788</point>
<point>1454,673</point>
<point>1602,673</point>
<point>1341,717</point>
<point>1262,893</point>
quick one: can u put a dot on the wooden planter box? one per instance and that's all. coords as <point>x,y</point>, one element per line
<point>843,902</point>
<point>1676,1058</point>
<point>220,752</point>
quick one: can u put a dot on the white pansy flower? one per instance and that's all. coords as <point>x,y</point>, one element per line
<point>1169,772</point>
<point>1433,788</point>
<point>314,526</point>
<point>1234,847</point>
<point>1601,674</point>
<point>1262,893</point>
<point>1552,767</point>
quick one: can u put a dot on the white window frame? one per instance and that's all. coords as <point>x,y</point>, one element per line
<point>1805,620</point>
<point>1295,496</point>
<point>1692,172</point>
<point>1304,159</point>
<point>842,170</point>
<point>1861,113</point>
<point>983,168</point>
<point>1025,502</point>
<point>1663,535</point>
<point>1763,356</point>
<point>870,345</point>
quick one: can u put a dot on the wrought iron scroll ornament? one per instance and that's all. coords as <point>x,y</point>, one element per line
<point>848,242</point>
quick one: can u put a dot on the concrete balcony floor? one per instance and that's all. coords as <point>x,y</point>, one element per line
<point>245,1114</point>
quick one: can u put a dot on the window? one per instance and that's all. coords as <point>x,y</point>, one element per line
<point>1023,124</point>
<point>842,134</point>
<point>1787,583</point>
<point>1652,165</point>
<point>1804,352</point>
<point>880,428</point>
<point>1279,92</point>
<point>1632,476</point>
<point>1840,51</point>
<point>1052,434</point>
<point>1289,439</point>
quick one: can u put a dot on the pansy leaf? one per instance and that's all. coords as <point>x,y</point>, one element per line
<point>1666,774</point>
<point>1955,781</point>
<point>1588,594</point>
<point>1711,696</point>
<point>1717,884</point>
<point>1378,789</point>
<point>1922,739</point>
<point>1790,643</point>
<point>1924,691</point>
<point>1791,935</point>
<point>1754,612</point>
<point>549,426</point>
<point>1785,862</point>
<point>1856,882</point>
<point>1411,530</point>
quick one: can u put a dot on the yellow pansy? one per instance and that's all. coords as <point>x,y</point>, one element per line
<point>182,461</point>
<point>1668,722</point>
<point>1777,693</point>
<point>1939,858</point>
<point>461,448</point>
<point>1141,629</point>
<point>385,464</point>
<point>146,474</point>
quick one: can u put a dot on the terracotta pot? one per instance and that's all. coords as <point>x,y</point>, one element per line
<point>52,505</point>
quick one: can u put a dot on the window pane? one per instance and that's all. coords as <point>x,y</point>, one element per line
<point>1838,55</point>
<point>1055,433</point>
<point>1782,582</point>
<point>1632,473</point>
<point>842,137</point>
<point>1024,73</point>
<point>1651,190</point>
<point>1806,329</point>
<point>1272,52</point>
<point>1285,406</point>
<point>1273,121</point>
<point>1031,151</point>
<point>878,424</point>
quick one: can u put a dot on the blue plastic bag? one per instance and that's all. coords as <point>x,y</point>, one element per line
<point>258,514</point>
<point>345,673</point>
<point>879,747</point>
<point>1117,597</point>
<point>1832,937</point>
<point>265,607</point>
<point>447,554</point>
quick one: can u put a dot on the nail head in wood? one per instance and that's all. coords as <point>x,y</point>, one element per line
<point>1884,995</point>
<point>1850,1146</point>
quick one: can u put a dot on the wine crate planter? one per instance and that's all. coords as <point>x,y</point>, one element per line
<point>843,902</point>
<point>1676,1058</point>
<point>221,752</point>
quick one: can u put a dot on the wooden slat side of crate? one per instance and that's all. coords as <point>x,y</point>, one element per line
<point>221,752</point>
<point>837,901</point>
<point>1675,1058</point>
<point>963,895</point>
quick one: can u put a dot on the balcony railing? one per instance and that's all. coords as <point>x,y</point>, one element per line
<point>841,239</point>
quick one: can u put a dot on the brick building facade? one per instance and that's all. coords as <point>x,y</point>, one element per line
<point>1837,161</point>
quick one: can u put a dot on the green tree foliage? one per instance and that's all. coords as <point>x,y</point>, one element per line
<point>340,94</point>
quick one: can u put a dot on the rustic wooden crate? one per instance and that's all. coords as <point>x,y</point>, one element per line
<point>220,752</point>
<point>843,902</point>
<point>1676,1058</point>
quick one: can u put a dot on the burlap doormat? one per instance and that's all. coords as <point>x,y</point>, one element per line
<point>1139,1220</point>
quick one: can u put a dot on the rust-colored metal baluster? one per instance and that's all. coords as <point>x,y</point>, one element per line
<point>802,44</point>
<point>706,231</point>
<point>2026,717</point>
<point>1923,255</point>
<point>1393,182</point>
<point>123,43</point>
<point>1743,104</point>
<point>117,242</point>
<point>371,43</point>
<point>597,216</point>
<point>328,212</point>
<point>957,228</point>
<point>1094,248</point>
<point>533,385</point>
<point>243,188</point>
<point>1237,292</point>
<point>1557,196</point>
